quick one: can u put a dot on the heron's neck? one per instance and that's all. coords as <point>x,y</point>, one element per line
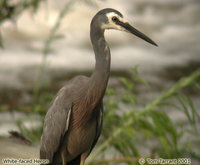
<point>99,78</point>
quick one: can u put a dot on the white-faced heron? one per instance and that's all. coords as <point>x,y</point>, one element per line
<point>73,123</point>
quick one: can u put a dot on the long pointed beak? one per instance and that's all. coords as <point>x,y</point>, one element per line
<point>134,31</point>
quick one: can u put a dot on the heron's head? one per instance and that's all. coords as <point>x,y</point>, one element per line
<point>112,19</point>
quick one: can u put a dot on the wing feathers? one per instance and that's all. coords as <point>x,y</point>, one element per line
<point>55,126</point>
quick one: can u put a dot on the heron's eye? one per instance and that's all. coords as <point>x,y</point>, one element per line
<point>115,19</point>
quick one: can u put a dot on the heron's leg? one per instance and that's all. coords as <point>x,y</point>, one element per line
<point>83,158</point>
<point>63,156</point>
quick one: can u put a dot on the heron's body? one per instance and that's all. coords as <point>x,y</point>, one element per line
<point>84,118</point>
<point>74,121</point>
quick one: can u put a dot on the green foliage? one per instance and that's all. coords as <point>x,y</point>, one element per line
<point>32,134</point>
<point>133,129</point>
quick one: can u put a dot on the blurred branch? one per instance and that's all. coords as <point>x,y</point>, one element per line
<point>47,45</point>
<point>1,43</point>
<point>10,11</point>
<point>182,83</point>
<point>6,10</point>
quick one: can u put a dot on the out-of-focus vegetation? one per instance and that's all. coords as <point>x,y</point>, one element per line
<point>150,127</point>
<point>131,130</point>
<point>10,10</point>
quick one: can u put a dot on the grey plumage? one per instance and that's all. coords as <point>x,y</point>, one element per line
<point>73,123</point>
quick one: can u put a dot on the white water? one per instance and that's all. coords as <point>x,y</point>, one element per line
<point>173,24</point>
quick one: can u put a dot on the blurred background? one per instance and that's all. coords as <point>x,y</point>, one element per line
<point>152,104</point>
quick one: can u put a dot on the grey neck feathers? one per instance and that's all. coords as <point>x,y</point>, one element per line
<point>99,79</point>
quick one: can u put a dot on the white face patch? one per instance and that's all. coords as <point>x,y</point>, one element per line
<point>111,24</point>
